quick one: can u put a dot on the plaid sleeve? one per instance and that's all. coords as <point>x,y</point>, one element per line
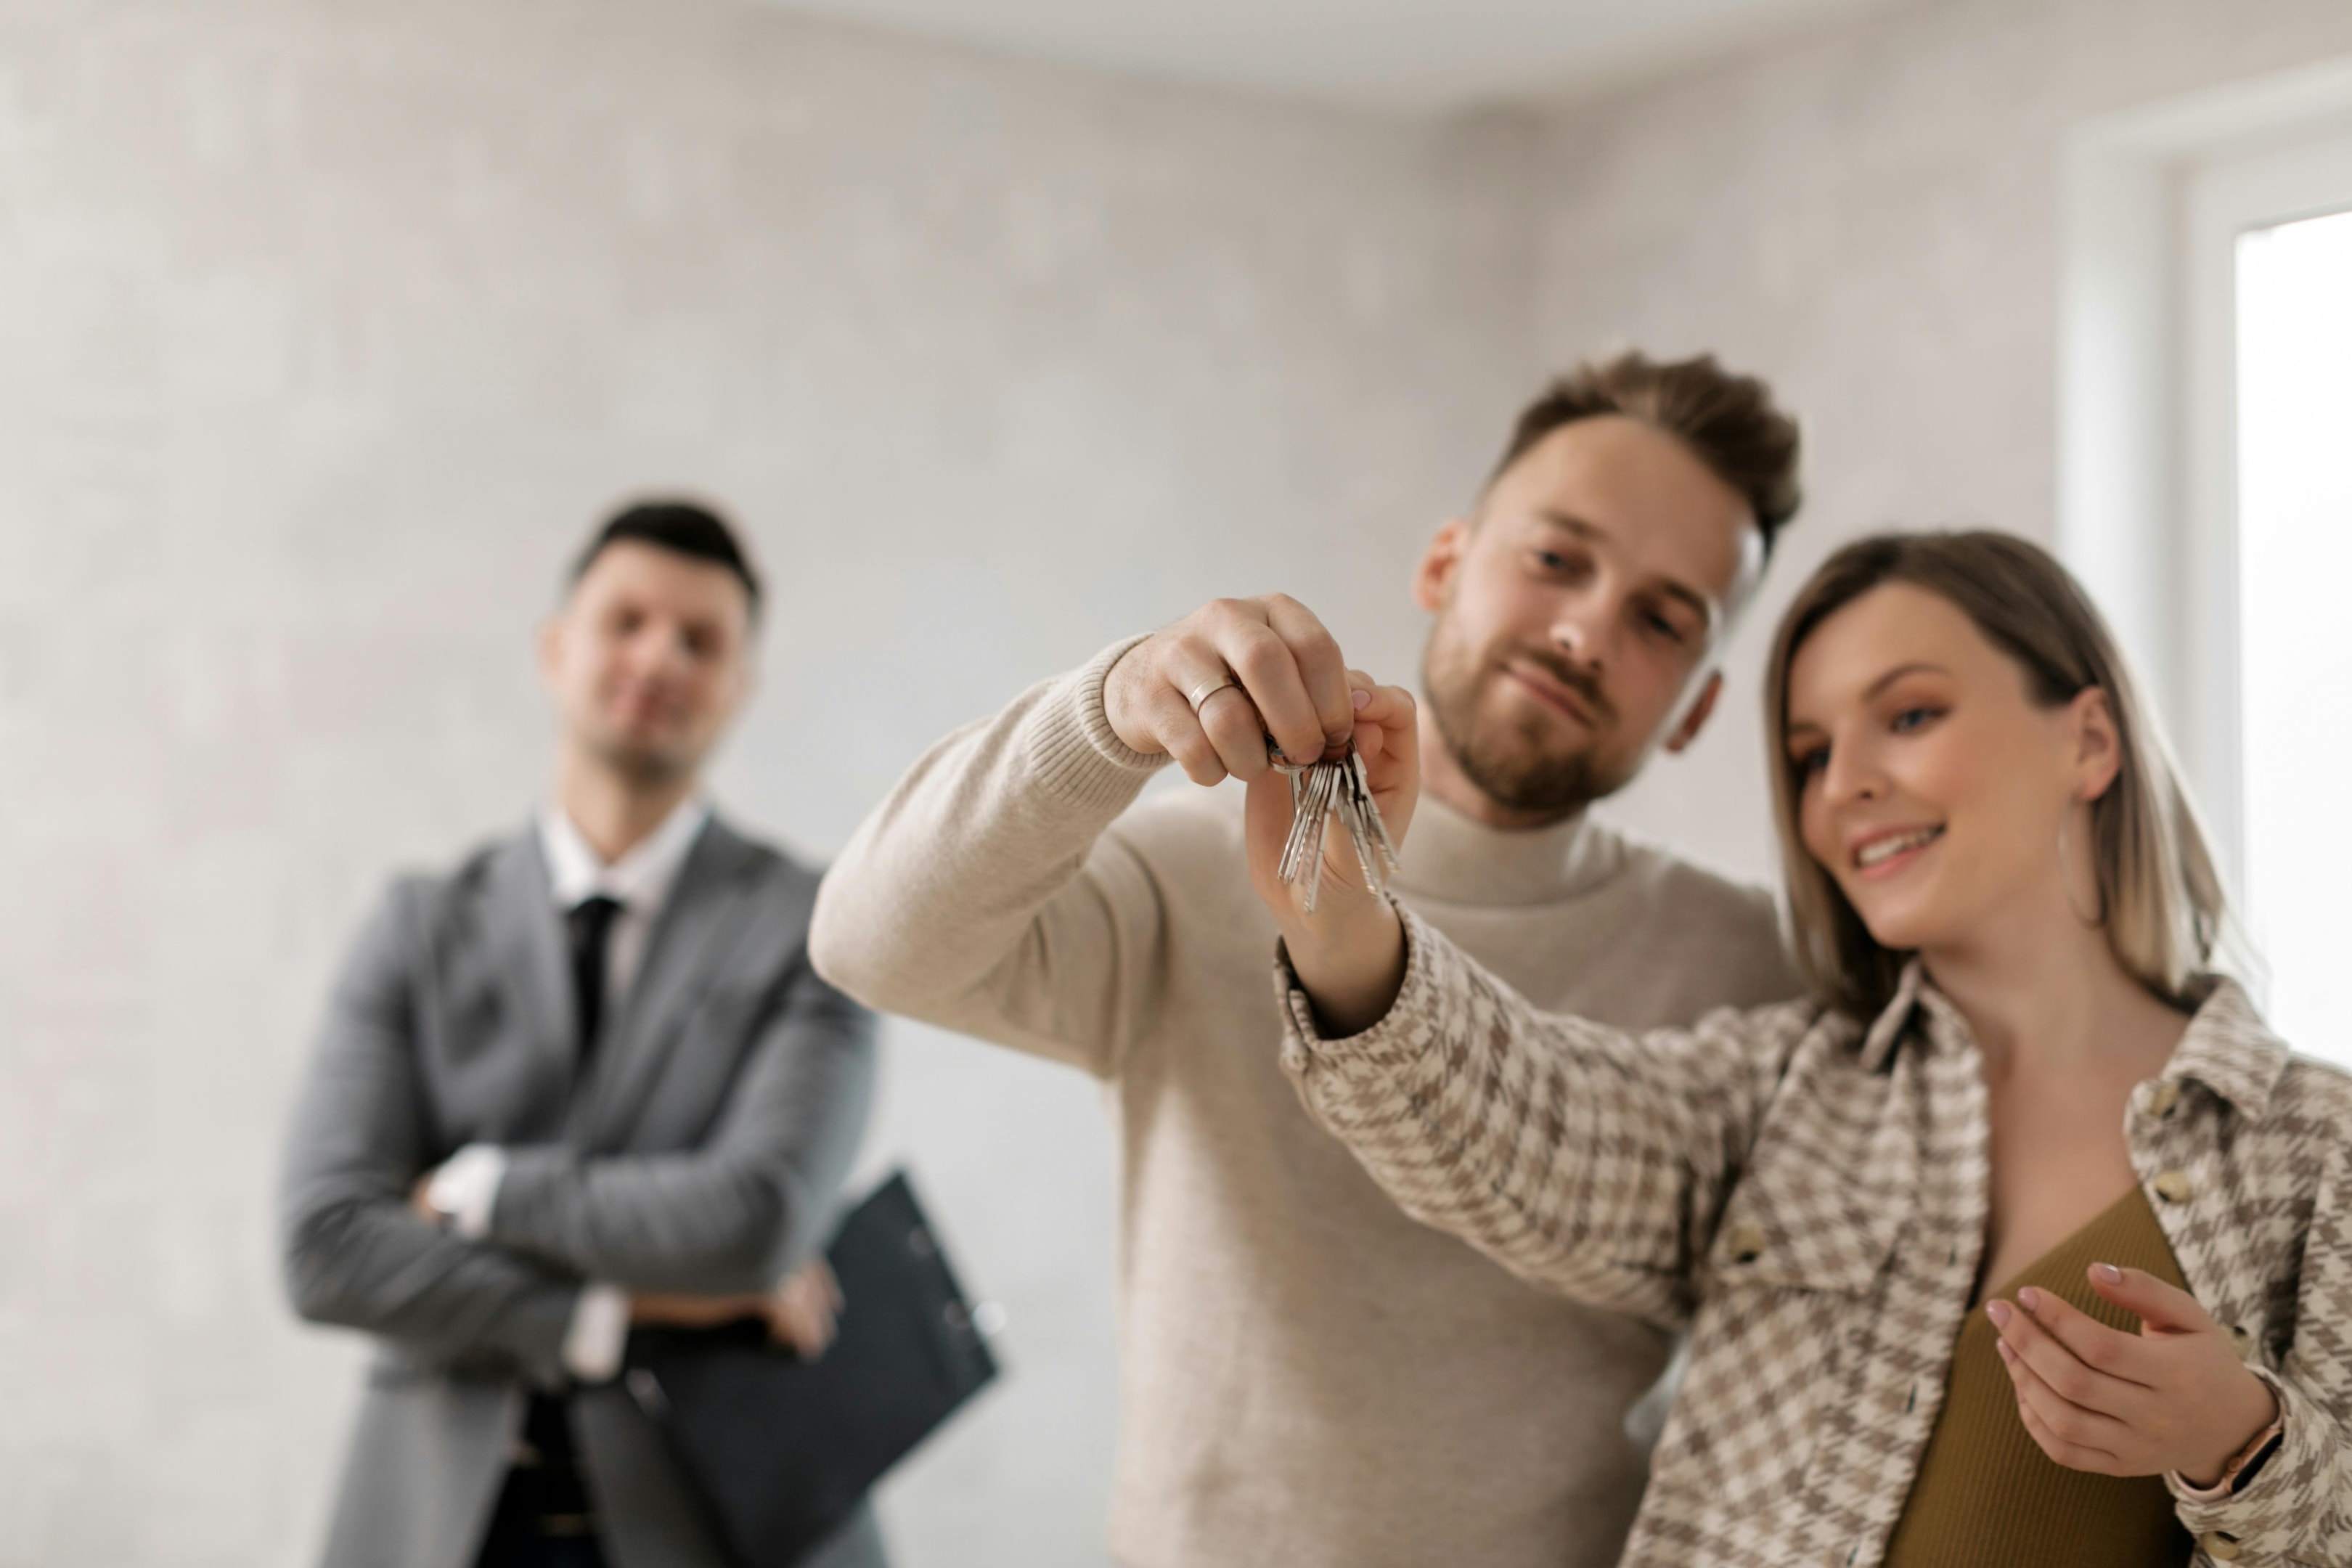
<point>2298,1508</point>
<point>1589,1161</point>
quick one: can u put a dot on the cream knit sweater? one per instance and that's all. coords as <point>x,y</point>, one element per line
<point>1309,1379</point>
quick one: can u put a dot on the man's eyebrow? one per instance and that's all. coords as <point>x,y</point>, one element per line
<point>1575,525</point>
<point>1569,522</point>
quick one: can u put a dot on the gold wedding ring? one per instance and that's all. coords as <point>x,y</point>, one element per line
<point>1205,690</point>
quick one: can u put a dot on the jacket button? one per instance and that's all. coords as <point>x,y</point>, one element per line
<point>1745,1243</point>
<point>2164,1099</point>
<point>2219,1546</point>
<point>2174,1186</point>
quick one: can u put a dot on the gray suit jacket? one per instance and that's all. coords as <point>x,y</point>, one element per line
<point>701,1151</point>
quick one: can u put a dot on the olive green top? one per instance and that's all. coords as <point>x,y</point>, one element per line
<point>1986,1492</point>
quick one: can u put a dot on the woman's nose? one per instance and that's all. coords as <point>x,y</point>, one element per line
<point>1853,776</point>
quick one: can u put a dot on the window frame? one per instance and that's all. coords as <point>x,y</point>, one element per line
<point>2151,203</point>
<point>2224,199</point>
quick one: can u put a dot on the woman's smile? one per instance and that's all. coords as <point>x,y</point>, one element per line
<point>1888,852</point>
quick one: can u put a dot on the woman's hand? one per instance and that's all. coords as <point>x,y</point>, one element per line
<point>2174,1397</point>
<point>1350,954</point>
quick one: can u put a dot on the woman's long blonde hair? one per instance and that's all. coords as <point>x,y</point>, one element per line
<point>2160,897</point>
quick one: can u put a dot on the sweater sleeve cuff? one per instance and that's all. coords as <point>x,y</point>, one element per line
<point>1077,756</point>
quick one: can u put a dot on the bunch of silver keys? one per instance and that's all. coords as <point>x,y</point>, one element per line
<point>1319,791</point>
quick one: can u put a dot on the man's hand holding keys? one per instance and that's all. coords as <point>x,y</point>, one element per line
<point>1211,688</point>
<point>1209,691</point>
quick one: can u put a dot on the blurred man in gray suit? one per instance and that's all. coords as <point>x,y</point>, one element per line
<point>586,1079</point>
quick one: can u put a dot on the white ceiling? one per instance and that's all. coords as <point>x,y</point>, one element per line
<point>1424,55</point>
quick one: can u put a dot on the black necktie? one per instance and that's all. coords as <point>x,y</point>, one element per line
<point>591,924</point>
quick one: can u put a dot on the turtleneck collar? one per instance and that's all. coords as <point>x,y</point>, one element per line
<point>1452,860</point>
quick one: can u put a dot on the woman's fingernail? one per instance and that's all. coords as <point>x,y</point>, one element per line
<point>2006,1354</point>
<point>2030,1299</point>
<point>2108,1272</point>
<point>1363,698</point>
<point>1998,1312</point>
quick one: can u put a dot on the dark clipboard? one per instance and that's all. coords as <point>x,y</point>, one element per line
<point>781,1449</point>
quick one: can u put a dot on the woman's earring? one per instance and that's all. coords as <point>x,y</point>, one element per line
<point>2066,883</point>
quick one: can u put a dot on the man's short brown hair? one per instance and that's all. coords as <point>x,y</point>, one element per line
<point>1728,422</point>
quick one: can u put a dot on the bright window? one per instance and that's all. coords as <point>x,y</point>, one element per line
<point>2294,331</point>
<point>2205,483</point>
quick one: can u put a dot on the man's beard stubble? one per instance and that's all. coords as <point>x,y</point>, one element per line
<point>1509,762</point>
<point>642,767</point>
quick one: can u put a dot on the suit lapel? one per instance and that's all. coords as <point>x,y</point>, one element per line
<point>531,959</point>
<point>699,929</point>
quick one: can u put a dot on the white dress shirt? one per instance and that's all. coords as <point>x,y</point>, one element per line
<point>466,1186</point>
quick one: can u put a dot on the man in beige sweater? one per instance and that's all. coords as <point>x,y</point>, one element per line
<point>1308,1377</point>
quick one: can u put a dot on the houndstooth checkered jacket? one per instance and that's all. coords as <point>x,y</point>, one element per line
<point>1808,1198</point>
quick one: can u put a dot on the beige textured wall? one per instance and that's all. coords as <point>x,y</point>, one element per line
<point>1870,217</point>
<point>325,328</point>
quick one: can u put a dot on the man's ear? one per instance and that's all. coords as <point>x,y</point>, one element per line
<point>2099,745</point>
<point>1438,563</point>
<point>1700,711</point>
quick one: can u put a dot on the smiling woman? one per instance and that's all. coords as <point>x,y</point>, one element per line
<point>2131,846</point>
<point>2015,1090</point>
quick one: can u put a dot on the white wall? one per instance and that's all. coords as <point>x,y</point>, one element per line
<point>326,329</point>
<point>1870,217</point>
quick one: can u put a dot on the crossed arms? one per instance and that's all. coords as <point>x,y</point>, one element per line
<point>730,1216</point>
